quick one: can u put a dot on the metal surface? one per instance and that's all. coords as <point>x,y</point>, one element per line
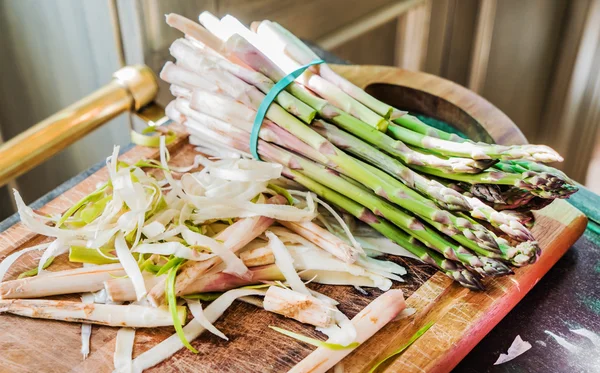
<point>132,88</point>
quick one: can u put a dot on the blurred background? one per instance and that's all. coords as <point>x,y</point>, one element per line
<point>537,60</point>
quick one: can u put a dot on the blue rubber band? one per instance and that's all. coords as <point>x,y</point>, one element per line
<point>269,98</point>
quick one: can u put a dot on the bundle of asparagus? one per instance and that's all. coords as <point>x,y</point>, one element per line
<point>438,195</point>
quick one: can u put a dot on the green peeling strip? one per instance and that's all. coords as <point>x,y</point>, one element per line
<point>412,340</point>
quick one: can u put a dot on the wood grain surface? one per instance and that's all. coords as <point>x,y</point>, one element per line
<point>462,317</point>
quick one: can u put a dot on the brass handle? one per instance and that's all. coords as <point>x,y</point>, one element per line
<point>132,88</point>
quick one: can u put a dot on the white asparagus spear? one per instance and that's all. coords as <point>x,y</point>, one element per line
<point>133,316</point>
<point>204,64</point>
<point>92,279</point>
<point>184,78</point>
<point>121,289</point>
<point>79,280</point>
<point>302,307</point>
<point>196,31</point>
<point>345,278</point>
<point>324,239</point>
<point>367,322</point>
<point>289,44</point>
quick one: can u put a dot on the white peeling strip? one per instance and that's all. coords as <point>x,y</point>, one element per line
<point>563,342</point>
<point>518,347</point>
<point>9,260</point>
<point>176,249</point>
<point>361,290</point>
<point>285,263</point>
<point>86,329</point>
<point>56,248</point>
<point>124,350</point>
<point>384,245</point>
<point>342,223</point>
<point>193,329</point>
<point>407,312</point>
<point>130,265</point>
<point>153,229</point>
<point>343,333</point>
<point>101,297</point>
<point>234,264</point>
<point>593,337</point>
<point>196,310</point>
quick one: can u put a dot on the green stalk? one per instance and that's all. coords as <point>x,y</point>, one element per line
<point>473,232</point>
<point>332,180</point>
<point>34,271</point>
<point>443,196</point>
<point>451,268</point>
<point>415,124</point>
<point>507,166</point>
<point>379,207</point>
<point>398,149</point>
<point>521,166</point>
<point>245,51</point>
<point>539,184</point>
<point>469,149</point>
<point>303,55</point>
<point>80,254</point>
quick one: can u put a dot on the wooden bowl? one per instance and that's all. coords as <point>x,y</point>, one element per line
<point>437,98</point>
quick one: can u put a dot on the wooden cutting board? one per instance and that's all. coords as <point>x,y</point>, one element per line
<point>462,317</point>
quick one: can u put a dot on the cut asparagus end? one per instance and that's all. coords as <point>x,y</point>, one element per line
<point>102,314</point>
<point>387,306</point>
<point>258,256</point>
<point>78,280</point>
<point>304,308</point>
